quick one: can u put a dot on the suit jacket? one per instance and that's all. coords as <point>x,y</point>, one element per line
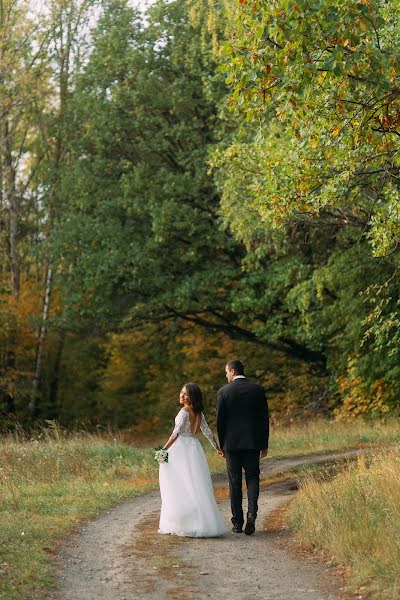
<point>242,416</point>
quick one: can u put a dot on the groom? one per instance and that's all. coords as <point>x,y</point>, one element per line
<point>243,428</point>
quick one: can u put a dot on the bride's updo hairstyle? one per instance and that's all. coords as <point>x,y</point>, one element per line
<point>195,397</point>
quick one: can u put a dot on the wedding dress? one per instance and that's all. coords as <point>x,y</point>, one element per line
<point>188,506</point>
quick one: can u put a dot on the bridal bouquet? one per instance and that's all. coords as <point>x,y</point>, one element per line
<point>161,455</point>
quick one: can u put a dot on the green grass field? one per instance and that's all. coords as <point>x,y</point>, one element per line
<point>319,436</point>
<point>48,485</point>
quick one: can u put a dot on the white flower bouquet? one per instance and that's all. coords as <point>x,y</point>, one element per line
<point>161,455</point>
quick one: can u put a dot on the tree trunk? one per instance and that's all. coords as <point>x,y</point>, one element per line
<point>55,379</point>
<point>12,201</point>
<point>41,342</point>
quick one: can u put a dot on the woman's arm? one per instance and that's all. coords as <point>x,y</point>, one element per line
<point>172,438</point>
<point>180,421</point>
<point>209,434</point>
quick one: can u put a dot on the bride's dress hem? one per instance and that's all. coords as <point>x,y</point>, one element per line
<point>193,534</point>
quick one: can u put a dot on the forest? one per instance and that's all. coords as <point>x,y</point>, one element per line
<point>200,181</point>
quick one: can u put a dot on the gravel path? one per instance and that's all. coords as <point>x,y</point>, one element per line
<point>120,556</point>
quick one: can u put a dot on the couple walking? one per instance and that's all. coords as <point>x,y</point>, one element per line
<point>188,506</point>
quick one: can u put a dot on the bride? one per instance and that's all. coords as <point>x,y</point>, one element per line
<point>188,506</point>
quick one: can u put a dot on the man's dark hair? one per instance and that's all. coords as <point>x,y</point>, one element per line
<point>237,366</point>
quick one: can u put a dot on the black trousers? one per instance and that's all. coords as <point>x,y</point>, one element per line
<point>236,462</point>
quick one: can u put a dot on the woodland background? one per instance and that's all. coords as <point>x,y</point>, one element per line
<point>204,181</point>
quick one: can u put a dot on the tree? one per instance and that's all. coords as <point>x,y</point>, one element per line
<point>65,29</point>
<point>314,161</point>
<point>21,89</point>
<point>322,80</point>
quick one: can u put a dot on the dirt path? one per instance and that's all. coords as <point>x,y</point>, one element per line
<point>120,556</point>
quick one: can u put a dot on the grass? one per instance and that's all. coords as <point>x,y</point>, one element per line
<point>49,483</point>
<point>323,435</point>
<point>355,518</point>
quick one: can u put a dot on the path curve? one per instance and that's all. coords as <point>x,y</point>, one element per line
<point>120,556</point>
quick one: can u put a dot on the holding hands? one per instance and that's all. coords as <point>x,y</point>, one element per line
<point>263,453</point>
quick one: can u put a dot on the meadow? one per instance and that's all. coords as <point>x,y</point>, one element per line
<point>53,480</point>
<point>355,519</point>
<point>49,484</point>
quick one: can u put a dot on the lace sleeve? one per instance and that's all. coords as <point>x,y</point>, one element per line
<point>180,421</point>
<point>207,431</point>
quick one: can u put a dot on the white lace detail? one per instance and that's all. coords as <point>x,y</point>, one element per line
<point>182,423</point>
<point>183,427</point>
<point>207,431</point>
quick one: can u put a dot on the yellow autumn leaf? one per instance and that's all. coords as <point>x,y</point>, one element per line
<point>363,25</point>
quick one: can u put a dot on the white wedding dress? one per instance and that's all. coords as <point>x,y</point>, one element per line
<point>188,506</point>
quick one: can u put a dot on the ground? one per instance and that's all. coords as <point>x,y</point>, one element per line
<point>120,556</point>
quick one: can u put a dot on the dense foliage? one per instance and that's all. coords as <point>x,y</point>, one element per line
<point>315,156</point>
<point>200,182</point>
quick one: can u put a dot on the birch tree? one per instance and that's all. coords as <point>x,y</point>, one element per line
<point>20,90</point>
<point>67,26</point>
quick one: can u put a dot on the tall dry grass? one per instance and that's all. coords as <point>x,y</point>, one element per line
<point>356,518</point>
<point>49,483</point>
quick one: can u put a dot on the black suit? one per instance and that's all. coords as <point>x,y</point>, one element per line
<point>243,428</point>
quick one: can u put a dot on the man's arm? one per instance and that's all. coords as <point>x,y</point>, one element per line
<point>264,421</point>
<point>221,419</point>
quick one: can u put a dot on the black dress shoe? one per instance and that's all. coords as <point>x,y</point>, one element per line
<point>237,529</point>
<point>250,526</point>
